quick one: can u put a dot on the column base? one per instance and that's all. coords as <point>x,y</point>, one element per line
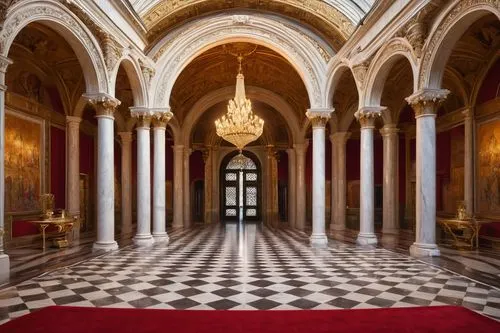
<point>4,268</point>
<point>177,225</point>
<point>106,246</point>
<point>424,250</point>
<point>161,238</point>
<point>366,239</point>
<point>143,240</point>
<point>318,241</point>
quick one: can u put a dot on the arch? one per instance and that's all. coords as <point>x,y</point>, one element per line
<point>380,67</point>
<point>336,72</point>
<point>134,75</point>
<point>60,19</point>
<point>453,24</point>
<point>173,54</point>
<point>481,77</point>
<point>223,94</point>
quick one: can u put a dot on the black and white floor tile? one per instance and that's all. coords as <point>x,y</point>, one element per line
<point>246,266</point>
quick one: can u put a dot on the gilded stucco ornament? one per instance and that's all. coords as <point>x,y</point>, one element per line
<point>359,72</point>
<point>147,71</point>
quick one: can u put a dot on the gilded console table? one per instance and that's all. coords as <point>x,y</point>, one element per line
<point>452,225</point>
<point>63,225</point>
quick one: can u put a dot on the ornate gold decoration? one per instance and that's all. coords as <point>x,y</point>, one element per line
<point>427,101</point>
<point>239,126</point>
<point>160,119</point>
<point>105,105</point>
<point>112,50</point>
<point>147,71</point>
<point>319,118</point>
<point>47,205</point>
<point>367,115</point>
<point>319,14</point>
<point>360,71</point>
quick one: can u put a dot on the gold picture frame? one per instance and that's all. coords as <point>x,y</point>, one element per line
<point>24,163</point>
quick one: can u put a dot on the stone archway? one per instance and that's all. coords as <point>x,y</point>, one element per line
<point>303,53</point>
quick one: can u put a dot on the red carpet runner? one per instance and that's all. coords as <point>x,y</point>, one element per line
<point>442,319</point>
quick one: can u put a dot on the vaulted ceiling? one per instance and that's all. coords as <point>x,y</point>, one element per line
<point>335,20</point>
<point>217,68</point>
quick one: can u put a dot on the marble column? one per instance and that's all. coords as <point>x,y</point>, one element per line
<point>126,139</point>
<point>160,120</point>
<point>366,117</point>
<point>143,235</point>
<point>390,188</point>
<point>215,185</point>
<point>178,222</point>
<point>292,192</point>
<point>469,162</point>
<point>318,118</point>
<point>425,103</point>
<point>300,194</point>
<point>408,175</point>
<point>105,107</point>
<point>4,258</point>
<point>339,181</point>
<point>73,165</point>
<point>187,189</point>
<point>207,190</point>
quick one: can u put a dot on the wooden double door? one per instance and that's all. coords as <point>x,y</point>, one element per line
<point>241,192</point>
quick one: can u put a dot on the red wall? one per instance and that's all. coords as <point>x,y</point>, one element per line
<point>490,87</point>
<point>58,166</point>
<point>283,167</point>
<point>169,159</point>
<point>196,166</point>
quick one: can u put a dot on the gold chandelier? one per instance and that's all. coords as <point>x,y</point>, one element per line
<point>239,126</point>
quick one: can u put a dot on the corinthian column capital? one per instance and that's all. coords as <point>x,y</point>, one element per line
<point>368,114</point>
<point>104,104</point>
<point>426,102</point>
<point>319,117</point>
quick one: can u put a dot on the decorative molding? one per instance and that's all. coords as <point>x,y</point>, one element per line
<point>147,71</point>
<point>308,63</point>
<point>30,12</point>
<point>112,50</point>
<point>104,104</point>
<point>416,29</point>
<point>241,19</point>
<point>360,72</point>
<point>427,101</point>
<point>460,8</point>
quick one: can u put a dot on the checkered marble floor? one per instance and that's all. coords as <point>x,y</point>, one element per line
<point>246,266</point>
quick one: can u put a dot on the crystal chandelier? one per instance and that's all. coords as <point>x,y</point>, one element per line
<point>239,126</point>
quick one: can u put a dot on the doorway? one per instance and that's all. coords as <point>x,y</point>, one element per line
<point>240,188</point>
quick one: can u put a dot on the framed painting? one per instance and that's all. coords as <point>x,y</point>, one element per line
<point>23,163</point>
<point>488,168</point>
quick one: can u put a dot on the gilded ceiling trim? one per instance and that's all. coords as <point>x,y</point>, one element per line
<point>332,23</point>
